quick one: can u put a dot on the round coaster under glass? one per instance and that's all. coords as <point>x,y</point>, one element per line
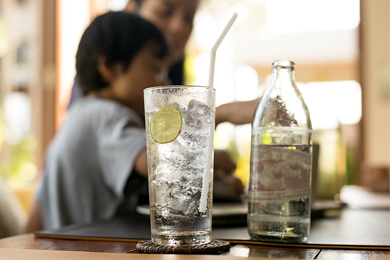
<point>213,247</point>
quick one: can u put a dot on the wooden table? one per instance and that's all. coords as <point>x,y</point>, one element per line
<point>29,241</point>
<point>369,226</point>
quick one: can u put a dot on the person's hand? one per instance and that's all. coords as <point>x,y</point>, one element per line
<point>231,184</point>
<point>237,113</point>
<point>223,174</point>
<point>223,162</point>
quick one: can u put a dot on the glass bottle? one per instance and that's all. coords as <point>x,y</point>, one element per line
<point>280,170</point>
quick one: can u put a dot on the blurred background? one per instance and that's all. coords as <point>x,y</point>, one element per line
<point>341,50</point>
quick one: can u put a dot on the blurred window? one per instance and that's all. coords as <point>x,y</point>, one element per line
<point>321,37</point>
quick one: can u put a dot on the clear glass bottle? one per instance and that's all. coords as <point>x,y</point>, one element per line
<point>281,151</point>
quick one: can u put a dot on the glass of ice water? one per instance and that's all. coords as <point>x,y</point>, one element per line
<point>180,122</point>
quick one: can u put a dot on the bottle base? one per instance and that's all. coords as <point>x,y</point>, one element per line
<point>278,237</point>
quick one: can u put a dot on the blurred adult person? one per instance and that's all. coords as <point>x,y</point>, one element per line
<point>175,19</point>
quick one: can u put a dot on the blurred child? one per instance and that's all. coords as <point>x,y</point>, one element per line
<point>101,144</point>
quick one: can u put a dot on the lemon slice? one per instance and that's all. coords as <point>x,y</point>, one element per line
<point>165,125</point>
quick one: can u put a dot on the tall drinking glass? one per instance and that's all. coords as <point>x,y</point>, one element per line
<point>180,122</point>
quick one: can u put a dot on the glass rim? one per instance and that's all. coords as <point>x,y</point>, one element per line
<point>177,87</point>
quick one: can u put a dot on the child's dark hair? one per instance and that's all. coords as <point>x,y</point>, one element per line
<point>117,36</point>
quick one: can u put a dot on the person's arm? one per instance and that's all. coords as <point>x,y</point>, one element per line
<point>222,161</point>
<point>237,113</point>
<point>141,164</point>
<point>34,222</point>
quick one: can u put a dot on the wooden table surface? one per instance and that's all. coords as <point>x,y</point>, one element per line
<point>29,241</point>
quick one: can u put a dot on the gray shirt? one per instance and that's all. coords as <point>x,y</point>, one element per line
<point>89,161</point>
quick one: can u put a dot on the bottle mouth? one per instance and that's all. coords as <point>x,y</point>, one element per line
<point>283,64</point>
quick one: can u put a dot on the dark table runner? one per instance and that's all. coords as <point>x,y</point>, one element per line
<point>360,229</point>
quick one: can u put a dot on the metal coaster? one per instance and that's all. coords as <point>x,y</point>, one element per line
<point>214,247</point>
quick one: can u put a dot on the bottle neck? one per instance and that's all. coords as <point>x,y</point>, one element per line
<point>283,73</point>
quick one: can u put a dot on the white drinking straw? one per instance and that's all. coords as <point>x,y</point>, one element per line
<point>215,47</point>
<point>206,177</point>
